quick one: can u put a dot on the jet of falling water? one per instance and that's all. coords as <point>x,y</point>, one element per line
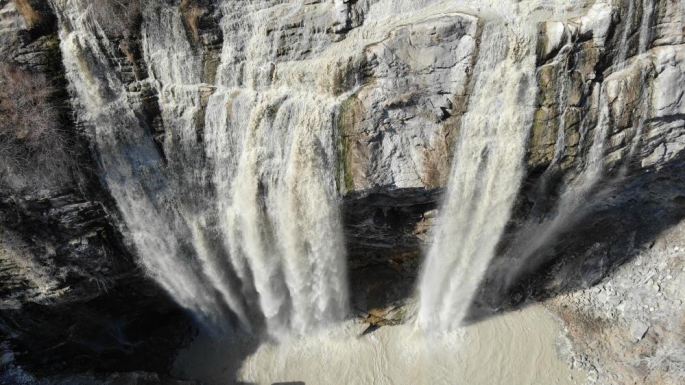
<point>239,215</point>
<point>485,177</point>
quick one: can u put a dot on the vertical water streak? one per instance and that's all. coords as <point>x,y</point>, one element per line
<point>315,267</point>
<point>236,206</point>
<point>578,198</point>
<point>646,26</point>
<point>624,42</point>
<point>562,97</point>
<point>131,163</point>
<point>583,192</point>
<point>485,177</point>
<point>272,151</point>
<point>279,217</point>
<point>589,186</point>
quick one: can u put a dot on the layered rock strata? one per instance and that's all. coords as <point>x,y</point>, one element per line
<point>603,161</point>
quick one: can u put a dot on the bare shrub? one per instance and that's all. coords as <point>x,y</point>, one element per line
<point>191,18</point>
<point>117,17</point>
<point>120,18</point>
<point>28,12</point>
<point>33,149</point>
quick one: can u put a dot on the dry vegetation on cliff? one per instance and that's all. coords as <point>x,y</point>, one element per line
<point>34,152</point>
<point>31,16</point>
<point>117,17</point>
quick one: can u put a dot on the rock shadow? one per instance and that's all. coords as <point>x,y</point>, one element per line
<point>385,233</point>
<point>618,221</point>
<point>133,327</point>
<point>218,354</point>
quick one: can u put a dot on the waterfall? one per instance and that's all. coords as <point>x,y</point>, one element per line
<point>224,169</point>
<point>480,195</point>
<point>624,42</point>
<point>235,212</point>
<point>592,183</point>
<point>277,215</point>
<point>485,177</point>
<point>575,201</point>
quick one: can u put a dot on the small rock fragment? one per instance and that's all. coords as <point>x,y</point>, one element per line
<point>638,329</point>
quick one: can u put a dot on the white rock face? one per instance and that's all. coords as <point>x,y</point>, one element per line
<point>647,105</point>
<point>394,125</point>
<point>11,23</point>
<point>555,33</point>
<point>667,98</point>
<point>667,107</point>
<point>597,22</point>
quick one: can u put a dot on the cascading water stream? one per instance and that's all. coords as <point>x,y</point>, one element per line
<point>590,186</point>
<point>488,163</point>
<point>576,201</point>
<point>485,176</point>
<point>132,163</point>
<point>235,210</point>
<point>238,215</point>
<point>290,248</point>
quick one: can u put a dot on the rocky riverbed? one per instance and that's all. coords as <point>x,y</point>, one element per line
<point>629,328</point>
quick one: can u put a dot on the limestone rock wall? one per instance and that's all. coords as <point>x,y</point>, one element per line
<point>398,127</point>
<point>616,55</point>
<point>403,82</point>
<point>72,297</point>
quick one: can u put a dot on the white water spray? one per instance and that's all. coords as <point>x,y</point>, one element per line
<point>486,173</point>
<point>238,215</point>
<point>487,167</point>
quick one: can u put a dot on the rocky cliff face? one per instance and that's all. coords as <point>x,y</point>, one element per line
<point>399,76</point>
<point>73,299</point>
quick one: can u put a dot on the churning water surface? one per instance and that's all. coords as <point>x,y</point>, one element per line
<point>520,347</point>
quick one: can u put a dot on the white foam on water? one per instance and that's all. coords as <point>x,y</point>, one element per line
<point>520,347</point>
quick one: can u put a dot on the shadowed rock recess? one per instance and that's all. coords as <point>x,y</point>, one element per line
<point>279,166</point>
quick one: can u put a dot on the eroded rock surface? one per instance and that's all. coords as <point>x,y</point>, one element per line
<point>72,297</point>
<point>608,71</point>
